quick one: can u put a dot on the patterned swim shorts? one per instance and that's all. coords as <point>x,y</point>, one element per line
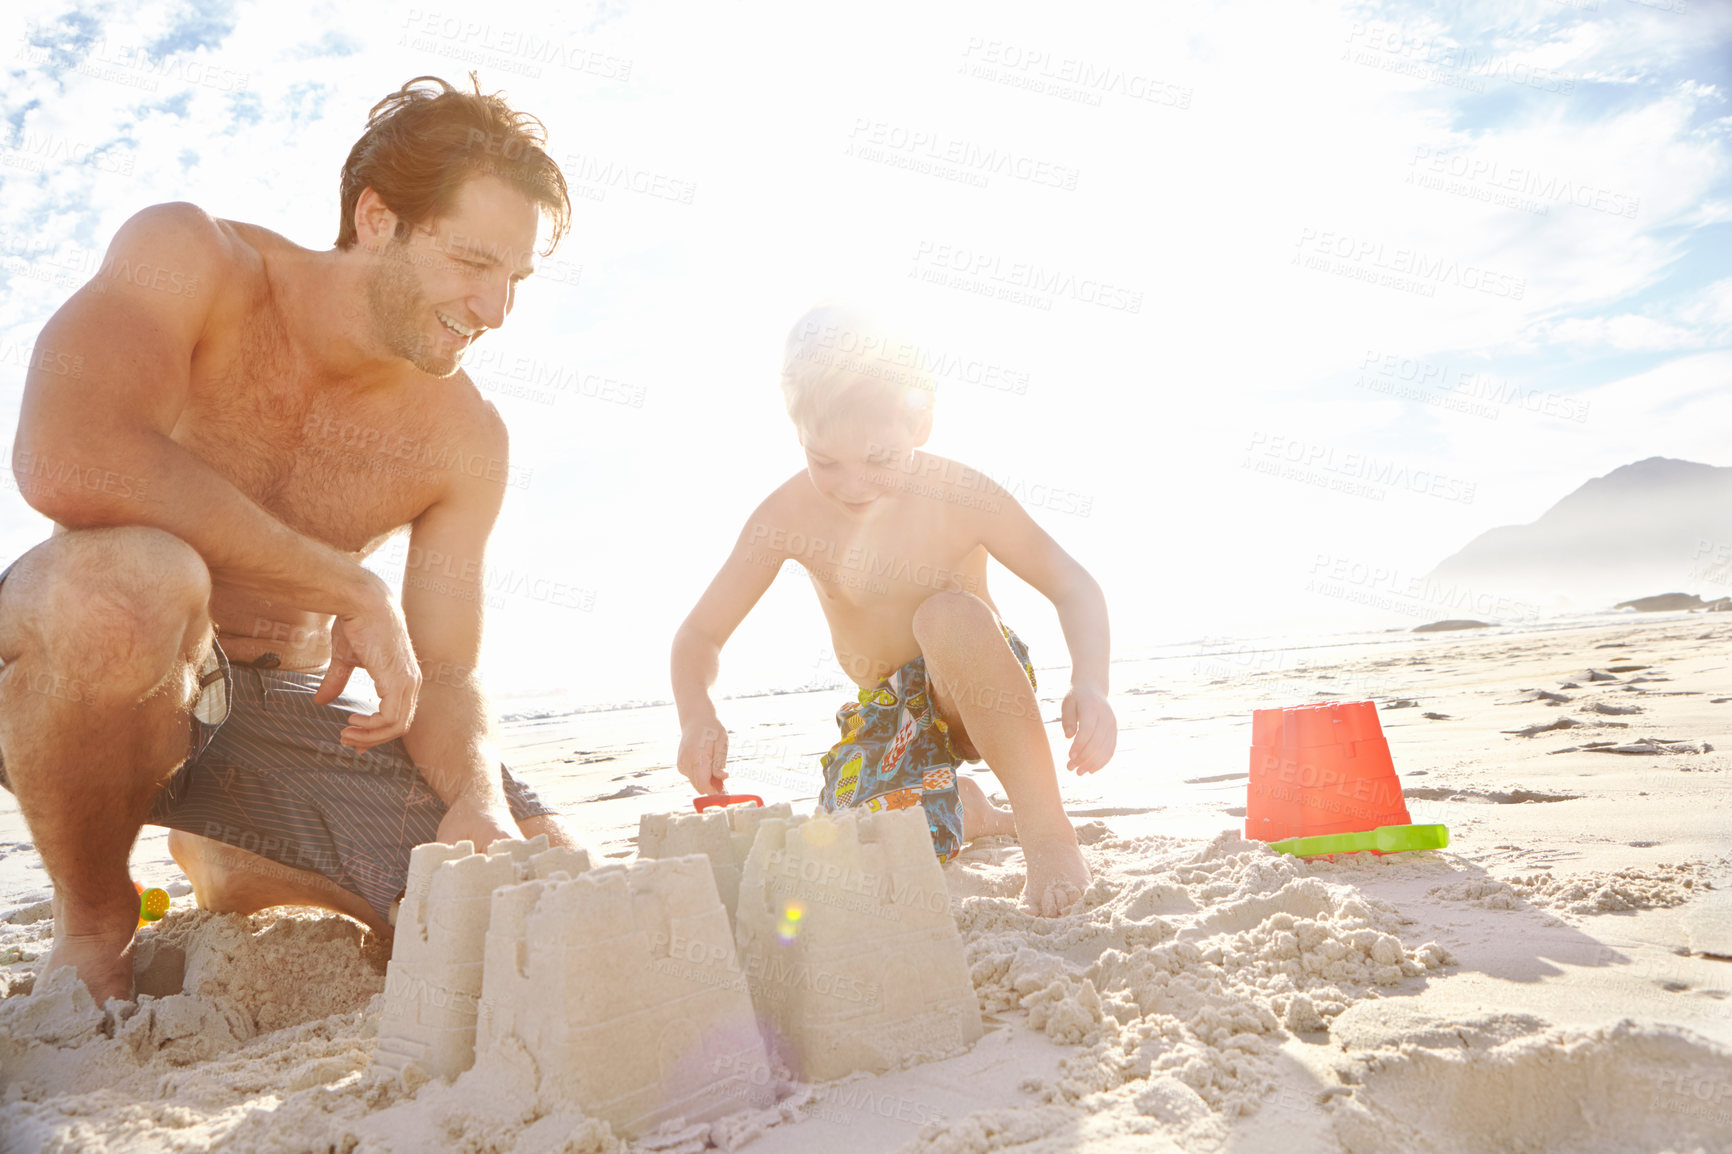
<point>896,753</point>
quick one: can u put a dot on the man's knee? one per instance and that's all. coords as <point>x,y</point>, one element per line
<point>943,614</point>
<point>134,563</point>
<point>127,595</point>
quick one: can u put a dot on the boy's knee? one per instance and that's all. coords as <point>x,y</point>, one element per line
<point>951,610</point>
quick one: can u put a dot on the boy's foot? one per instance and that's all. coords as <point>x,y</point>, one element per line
<point>980,818</point>
<point>1057,877</point>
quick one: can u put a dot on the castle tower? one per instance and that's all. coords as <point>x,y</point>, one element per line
<point>724,835</point>
<point>849,946</point>
<point>434,978</point>
<point>621,983</point>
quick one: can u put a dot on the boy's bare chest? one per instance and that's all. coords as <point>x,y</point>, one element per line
<point>873,571</point>
<point>326,463</point>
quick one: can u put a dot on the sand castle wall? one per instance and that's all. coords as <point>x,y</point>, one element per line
<point>434,978</point>
<point>849,946</point>
<point>641,1000</point>
<point>622,984</point>
<point>724,835</point>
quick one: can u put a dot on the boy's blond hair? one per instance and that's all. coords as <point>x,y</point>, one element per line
<point>842,359</point>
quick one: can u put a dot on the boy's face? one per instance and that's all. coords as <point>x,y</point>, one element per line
<point>856,462</point>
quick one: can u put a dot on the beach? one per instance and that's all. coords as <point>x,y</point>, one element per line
<point>1556,979</point>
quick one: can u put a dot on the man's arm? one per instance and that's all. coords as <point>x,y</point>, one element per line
<point>110,379</point>
<point>452,741</point>
<point>742,580</point>
<point>1023,547</point>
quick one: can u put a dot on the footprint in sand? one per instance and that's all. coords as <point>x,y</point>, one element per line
<point>1112,811</point>
<point>1498,797</point>
<point>1561,723</point>
<point>628,791</point>
<point>1544,695</point>
<point>1645,745</point>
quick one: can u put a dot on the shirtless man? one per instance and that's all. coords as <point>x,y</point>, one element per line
<point>895,541</point>
<point>222,425</point>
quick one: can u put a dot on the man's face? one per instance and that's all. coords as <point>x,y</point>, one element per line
<point>856,461</point>
<point>432,295</point>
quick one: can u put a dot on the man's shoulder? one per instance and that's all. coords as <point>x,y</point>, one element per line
<point>466,401</point>
<point>182,245</point>
<point>462,409</point>
<point>186,226</point>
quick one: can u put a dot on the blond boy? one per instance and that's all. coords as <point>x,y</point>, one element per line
<point>895,541</point>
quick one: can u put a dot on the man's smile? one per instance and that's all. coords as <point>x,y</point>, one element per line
<point>453,326</point>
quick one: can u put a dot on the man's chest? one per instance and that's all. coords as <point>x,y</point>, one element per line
<point>325,463</point>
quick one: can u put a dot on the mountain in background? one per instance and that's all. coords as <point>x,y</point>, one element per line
<point>1656,526</point>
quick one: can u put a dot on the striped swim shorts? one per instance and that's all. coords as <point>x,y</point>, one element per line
<point>275,780</point>
<point>267,773</point>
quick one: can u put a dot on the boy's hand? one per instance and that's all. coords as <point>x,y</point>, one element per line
<point>1089,720</point>
<point>703,753</point>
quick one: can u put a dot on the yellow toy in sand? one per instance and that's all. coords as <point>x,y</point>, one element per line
<point>152,904</point>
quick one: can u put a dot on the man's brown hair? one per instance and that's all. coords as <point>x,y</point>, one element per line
<point>423,142</point>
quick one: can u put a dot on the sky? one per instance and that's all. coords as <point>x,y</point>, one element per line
<point>1261,309</point>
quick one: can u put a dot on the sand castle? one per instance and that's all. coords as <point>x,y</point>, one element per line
<point>620,983</point>
<point>434,979</point>
<point>849,946</point>
<point>723,835</point>
<point>624,985</point>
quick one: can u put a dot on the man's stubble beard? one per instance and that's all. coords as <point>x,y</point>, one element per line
<point>399,312</point>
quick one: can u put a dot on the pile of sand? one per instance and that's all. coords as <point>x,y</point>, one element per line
<point>1179,980</point>
<point>266,1006</point>
<point>1605,892</point>
<point>1201,990</point>
<point>1619,1089</point>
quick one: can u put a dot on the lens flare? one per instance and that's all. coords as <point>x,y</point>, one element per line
<point>789,927</point>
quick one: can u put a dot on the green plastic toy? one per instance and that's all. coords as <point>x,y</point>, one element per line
<point>1383,839</point>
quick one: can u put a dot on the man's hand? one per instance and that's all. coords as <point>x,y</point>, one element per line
<point>478,821</point>
<point>1089,720</point>
<point>376,639</point>
<point>703,753</point>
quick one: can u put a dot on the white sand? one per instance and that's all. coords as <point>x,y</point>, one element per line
<point>1543,984</point>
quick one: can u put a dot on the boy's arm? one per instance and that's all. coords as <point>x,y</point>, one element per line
<point>697,648</point>
<point>1023,547</point>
